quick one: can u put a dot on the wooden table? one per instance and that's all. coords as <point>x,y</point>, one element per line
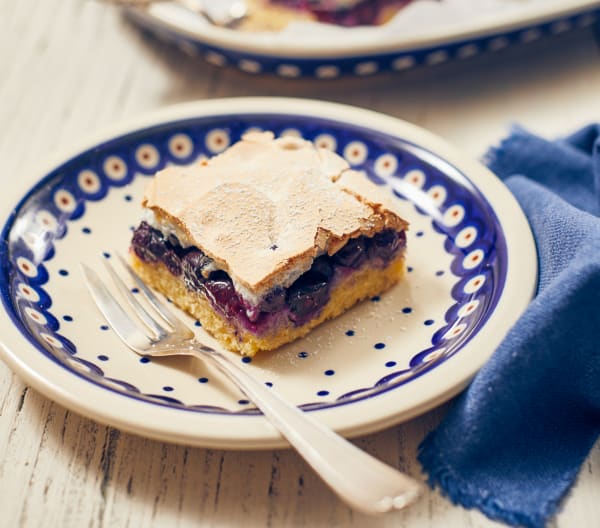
<point>71,67</point>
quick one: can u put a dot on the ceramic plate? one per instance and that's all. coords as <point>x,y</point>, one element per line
<point>334,52</point>
<point>471,272</point>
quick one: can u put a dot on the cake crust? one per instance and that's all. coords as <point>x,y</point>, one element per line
<point>293,200</point>
<point>355,288</point>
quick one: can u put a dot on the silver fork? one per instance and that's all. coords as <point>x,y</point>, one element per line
<point>362,481</point>
<point>227,13</point>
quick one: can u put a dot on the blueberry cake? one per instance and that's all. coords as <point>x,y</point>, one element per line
<point>267,240</point>
<point>276,14</point>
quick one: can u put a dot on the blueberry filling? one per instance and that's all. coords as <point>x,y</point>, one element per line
<point>363,12</point>
<point>299,303</point>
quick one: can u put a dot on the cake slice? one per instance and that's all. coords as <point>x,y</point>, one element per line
<point>267,240</point>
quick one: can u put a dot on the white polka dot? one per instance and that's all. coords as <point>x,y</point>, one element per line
<point>561,26</point>
<point>433,356</point>
<point>403,376</point>
<point>147,156</point>
<point>181,146</point>
<point>27,292</point>
<point>74,363</point>
<point>215,58</point>
<point>415,177</point>
<point>436,57</point>
<point>474,284</point>
<point>249,66</point>
<point>291,132</point>
<point>326,141</point>
<point>454,215</point>
<point>468,308</point>
<point>366,68</point>
<point>252,130</point>
<point>473,259</point>
<point>356,152</point>
<point>88,181</point>
<point>403,63</point>
<point>466,51</point>
<point>328,71</point>
<point>46,219</point>
<point>37,317</point>
<point>291,143</point>
<point>530,35</point>
<point>65,201</point>
<point>498,43</point>
<point>455,331</point>
<point>386,165</point>
<point>115,168</point>
<point>51,340</point>
<point>26,267</point>
<point>288,70</point>
<point>466,237</point>
<point>32,240</point>
<point>438,194</point>
<point>217,140</point>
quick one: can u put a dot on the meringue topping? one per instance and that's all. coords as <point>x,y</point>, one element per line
<point>265,208</point>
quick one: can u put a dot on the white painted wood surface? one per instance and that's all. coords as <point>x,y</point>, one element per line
<point>72,67</point>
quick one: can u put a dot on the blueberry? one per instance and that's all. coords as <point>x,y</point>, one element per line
<point>273,301</point>
<point>221,290</point>
<point>353,254</point>
<point>307,295</point>
<point>385,245</point>
<point>172,262</point>
<point>323,266</point>
<point>193,262</point>
<point>148,243</point>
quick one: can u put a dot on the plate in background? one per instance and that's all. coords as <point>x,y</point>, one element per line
<point>341,53</point>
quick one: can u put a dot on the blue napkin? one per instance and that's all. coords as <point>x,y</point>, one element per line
<point>513,442</point>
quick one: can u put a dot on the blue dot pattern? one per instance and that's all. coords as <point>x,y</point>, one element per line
<point>479,269</point>
<point>361,62</point>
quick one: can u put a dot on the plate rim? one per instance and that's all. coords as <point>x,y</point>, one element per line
<point>262,435</point>
<point>322,47</point>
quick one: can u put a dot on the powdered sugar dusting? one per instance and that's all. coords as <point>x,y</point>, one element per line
<point>265,208</point>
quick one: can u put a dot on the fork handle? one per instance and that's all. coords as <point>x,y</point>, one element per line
<point>362,481</point>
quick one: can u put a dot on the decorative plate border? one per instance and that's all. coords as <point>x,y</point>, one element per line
<point>221,47</point>
<point>67,188</point>
<point>474,237</point>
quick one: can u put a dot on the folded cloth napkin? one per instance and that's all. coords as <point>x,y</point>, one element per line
<point>513,442</point>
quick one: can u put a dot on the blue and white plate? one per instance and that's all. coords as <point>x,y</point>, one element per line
<point>337,52</point>
<point>472,271</point>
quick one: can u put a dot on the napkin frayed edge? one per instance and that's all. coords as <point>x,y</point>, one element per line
<point>464,494</point>
<point>442,477</point>
<point>496,153</point>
